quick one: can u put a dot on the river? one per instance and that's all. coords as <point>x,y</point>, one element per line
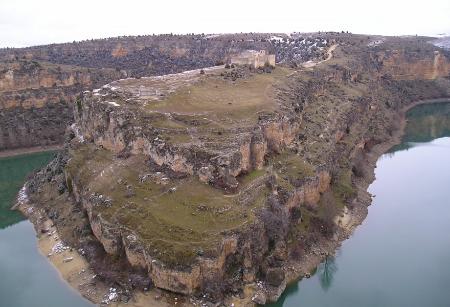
<point>399,256</point>
<point>27,277</point>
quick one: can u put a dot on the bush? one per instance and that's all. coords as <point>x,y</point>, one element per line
<point>359,166</point>
<point>328,212</point>
<point>79,105</point>
<point>275,219</point>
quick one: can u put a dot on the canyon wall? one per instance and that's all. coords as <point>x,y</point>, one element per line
<point>36,100</point>
<point>219,201</point>
<point>35,77</point>
<point>404,66</point>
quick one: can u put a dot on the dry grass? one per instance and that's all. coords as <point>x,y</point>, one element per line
<point>224,101</point>
<point>173,224</point>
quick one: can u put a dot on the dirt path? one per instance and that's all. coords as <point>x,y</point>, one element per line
<point>330,50</point>
<point>22,151</point>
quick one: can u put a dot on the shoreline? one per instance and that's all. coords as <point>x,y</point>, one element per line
<point>80,277</point>
<point>28,150</point>
<point>74,269</point>
<point>305,267</point>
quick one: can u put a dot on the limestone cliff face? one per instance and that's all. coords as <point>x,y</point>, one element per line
<point>159,163</point>
<point>30,126</point>
<point>310,191</point>
<point>246,247</point>
<point>406,66</point>
<point>27,75</point>
<point>119,129</point>
<point>50,72</point>
<point>36,98</point>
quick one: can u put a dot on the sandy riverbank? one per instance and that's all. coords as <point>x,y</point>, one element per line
<point>23,151</point>
<point>74,269</point>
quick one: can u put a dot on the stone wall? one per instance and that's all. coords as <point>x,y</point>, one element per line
<point>254,58</point>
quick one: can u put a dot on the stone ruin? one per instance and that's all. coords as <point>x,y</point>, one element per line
<point>254,58</point>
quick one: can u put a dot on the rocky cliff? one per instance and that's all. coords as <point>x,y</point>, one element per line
<point>36,98</point>
<point>31,79</point>
<point>217,187</point>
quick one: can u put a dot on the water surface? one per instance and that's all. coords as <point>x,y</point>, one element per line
<point>399,256</point>
<point>27,279</point>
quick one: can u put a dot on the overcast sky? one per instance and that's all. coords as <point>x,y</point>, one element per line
<point>32,22</point>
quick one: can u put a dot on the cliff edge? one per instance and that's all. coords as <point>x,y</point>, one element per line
<point>230,182</point>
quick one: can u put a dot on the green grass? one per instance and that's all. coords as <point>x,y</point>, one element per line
<point>343,188</point>
<point>290,166</point>
<point>222,100</point>
<point>174,226</point>
<point>255,174</point>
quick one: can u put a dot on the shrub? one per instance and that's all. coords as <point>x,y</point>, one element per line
<point>275,219</point>
<point>79,105</point>
<point>359,166</point>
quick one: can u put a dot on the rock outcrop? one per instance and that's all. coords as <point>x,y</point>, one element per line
<point>37,77</point>
<point>214,187</point>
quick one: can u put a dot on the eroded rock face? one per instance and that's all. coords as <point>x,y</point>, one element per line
<point>192,279</point>
<point>36,100</point>
<point>39,76</point>
<point>27,127</point>
<point>310,190</point>
<point>212,185</point>
<point>113,118</point>
<point>434,64</point>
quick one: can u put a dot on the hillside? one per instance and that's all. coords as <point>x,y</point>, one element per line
<point>224,184</point>
<point>42,80</point>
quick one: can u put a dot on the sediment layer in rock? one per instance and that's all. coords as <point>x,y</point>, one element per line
<point>219,187</point>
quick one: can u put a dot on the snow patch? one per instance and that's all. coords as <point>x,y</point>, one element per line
<point>22,197</point>
<point>77,132</point>
<point>115,104</point>
<point>276,38</point>
<point>375,43</point>
<point>111,296</point>
<point>58,248</point>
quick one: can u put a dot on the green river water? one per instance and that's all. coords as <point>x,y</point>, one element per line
<point>27,279</point>
<point>397,258</point>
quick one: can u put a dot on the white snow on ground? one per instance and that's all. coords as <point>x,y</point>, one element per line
<point>113,103</point>
<point>59,247</point>
<point>77,132</point>
<point>376,42</point>
<point>277,38</point>
<point>213,35</point>
<point>442,42</point>
<point>112,296</point>
<point>22,197</point>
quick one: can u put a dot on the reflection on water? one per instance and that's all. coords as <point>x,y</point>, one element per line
<point>326,272</point>
<point>399,256</point>
<point>425,123</point>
